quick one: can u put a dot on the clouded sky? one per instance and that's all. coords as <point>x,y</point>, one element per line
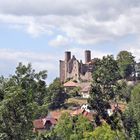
<point>40,31</point>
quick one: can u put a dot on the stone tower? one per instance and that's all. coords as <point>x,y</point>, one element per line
<point>67,56</point>
<point>87,56</point>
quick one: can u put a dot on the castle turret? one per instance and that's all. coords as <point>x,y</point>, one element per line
<point>67,56</point>
<point>87,56</point>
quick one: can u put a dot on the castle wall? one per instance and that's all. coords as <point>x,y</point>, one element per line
<point>86,77</point>
<point>75,71</point>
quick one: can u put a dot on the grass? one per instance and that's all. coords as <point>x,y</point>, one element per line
<point>77,101</point>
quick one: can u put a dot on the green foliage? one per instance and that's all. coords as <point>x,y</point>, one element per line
<point>30,81</point>
<point>124,91</point>
<point>16,115</point>
<point>88,136</point>
<point>72,128</point>
<point>2,85</point>
<point>22,102</point>
<point>105,77</point>
<point>107,88</point>
<point>106,72</point>
<point>64,128</point>
<point>83,125</point>
<point>104,132</point>
<point>126,63</point>
<point>55,95</point>
<point>132,114</point>
<point>74,92</point>
<point>48,135</point>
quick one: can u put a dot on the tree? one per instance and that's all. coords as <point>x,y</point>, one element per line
<point>16,114</point>
<point>72,128</point>
<point>55,95</point>
<point>64,128</point>
<point>124,91</point>
<point>74,92</point>
<point>126,64</point>
<point>2,85</point>
<point>22,101</point>
<point>132,114</point>
<point>82,125</point>
<point>104,88</point>
<point>32,82</point>
<point>104,132</point>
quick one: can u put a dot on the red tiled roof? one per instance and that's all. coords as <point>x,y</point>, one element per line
<point>55,114</point>
<point>39,124</point>
<point>88,115</point>
<point>70,84</point>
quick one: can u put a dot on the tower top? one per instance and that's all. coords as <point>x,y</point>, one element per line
<point>67,56</point>
<point>87,56</point>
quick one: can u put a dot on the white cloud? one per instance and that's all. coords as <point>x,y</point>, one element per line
<point>33,26</point>
<point>39,60</point>
<point>34,29</point>
<point>10,54</point>
<point>86,22</point>
<point>10,58</point>
<point>59,41</point>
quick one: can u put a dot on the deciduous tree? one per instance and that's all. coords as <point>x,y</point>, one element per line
<point>105,77</point>
<point>132,114</point>
<point>126,64</point>
<point>22,102</point>
<point>56,95</point>
<point>104,132</point>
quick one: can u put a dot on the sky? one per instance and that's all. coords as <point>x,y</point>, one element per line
<point>40,31</point>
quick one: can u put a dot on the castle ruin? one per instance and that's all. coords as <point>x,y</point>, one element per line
<point>71,68</point>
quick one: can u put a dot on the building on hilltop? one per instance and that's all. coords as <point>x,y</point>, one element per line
<point>71,68</point>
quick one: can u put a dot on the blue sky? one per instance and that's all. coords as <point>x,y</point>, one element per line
<point>40,31</point>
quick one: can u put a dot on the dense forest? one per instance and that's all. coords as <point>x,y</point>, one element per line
<point>24,97</point>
